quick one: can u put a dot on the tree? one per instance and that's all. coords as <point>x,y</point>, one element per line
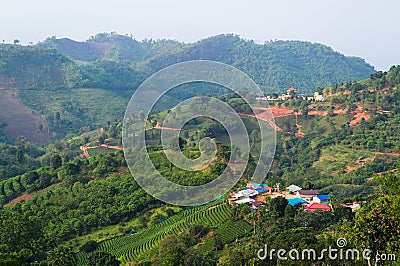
<point>16,41</point>
<point>57,116</point>
<point>279,204</point>
<point>61,256</point>
<point>30,177</point>
<point>307,185</point>
<point>218,168</point>
<point>195,257</point>
<point>89,246</point>
<point>9,259</point>
<point>377,224</point>
<point>171,251</point>
<point>102,259</point>
<point>102,139</point>
<point>20,232</point>
<point>55,161</point>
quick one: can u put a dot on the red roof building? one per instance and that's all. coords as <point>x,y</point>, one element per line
<point>307,195</point>
<point>317,207</point>
<point>256,204</point>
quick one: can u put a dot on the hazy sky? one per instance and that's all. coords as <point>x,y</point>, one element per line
<point>365,28</point>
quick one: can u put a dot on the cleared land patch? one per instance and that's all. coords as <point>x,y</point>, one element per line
<point>338,158</point>
<point>21,120</point>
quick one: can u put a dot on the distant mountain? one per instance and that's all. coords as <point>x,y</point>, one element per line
<point>275,66</point>
<point>32,67</point>
<point>109,46</point>
<point>79,85</point>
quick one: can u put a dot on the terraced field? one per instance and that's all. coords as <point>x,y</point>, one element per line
<point>128,248</point>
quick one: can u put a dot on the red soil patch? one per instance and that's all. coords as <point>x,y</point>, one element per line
<point>318,112</point>
<point>340,111</point>
<point>84,149</point>
<point>276,111</point>
<point>19,199</point>
<point>266,114</point>
<point>299,133</point>
<point>158,126</point>
<point>360,162</point>
<point>359,114</point>
<point>111,147</point>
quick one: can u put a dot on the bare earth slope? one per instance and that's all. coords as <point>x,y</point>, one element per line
<point>21,121</point>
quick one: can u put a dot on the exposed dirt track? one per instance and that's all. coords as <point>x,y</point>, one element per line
<point>158,126</point>
<point>299,133</point>
<point>267,114</point>
<point>19,199</point>
<point>86,147</point>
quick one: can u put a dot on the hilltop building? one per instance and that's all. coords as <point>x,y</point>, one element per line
<point>318,97</point>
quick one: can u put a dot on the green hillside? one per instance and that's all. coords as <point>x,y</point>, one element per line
<point>129,248</point>
<point>78,209</point>
<point>275,66</point>
<point>108,68</point>
<point>74,200</point>
<point>32,67</point>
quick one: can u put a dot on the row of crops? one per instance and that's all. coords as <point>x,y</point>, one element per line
<point>128,248</point>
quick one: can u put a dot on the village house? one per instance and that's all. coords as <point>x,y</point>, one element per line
<point>383,112</point>
<point>255,204</point>
<point>244,200</point>
<point>321,199</point>
<point>293,189</point>
<point>354,206</point>
<point>261,98</point>
<point>295,201</point>
<point>317,207</point>
<point>318,97</point>
<point>307,195</point>
<point>249,194</point>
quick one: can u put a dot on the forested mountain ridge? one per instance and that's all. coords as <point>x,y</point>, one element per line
<point>63,80</point>
<point>34,67</point>
<point>275,66</point>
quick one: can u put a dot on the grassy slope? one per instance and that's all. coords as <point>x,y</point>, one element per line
<point>336,158</point>
<point>77,108</point>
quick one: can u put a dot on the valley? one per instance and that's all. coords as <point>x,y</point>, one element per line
<point>68,196</point>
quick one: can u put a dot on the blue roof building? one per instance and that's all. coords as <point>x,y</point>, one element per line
<point>261,190</point>
<point>295,201</point>
<point>323,197</point>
